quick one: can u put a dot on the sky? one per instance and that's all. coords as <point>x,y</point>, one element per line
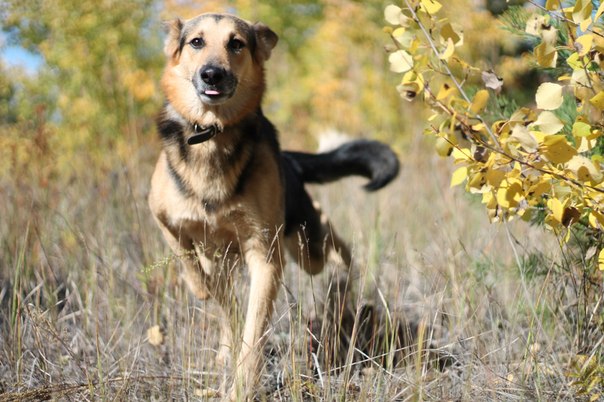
<point>16,56</point>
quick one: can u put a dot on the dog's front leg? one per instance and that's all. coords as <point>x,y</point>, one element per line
<point>265,268</point>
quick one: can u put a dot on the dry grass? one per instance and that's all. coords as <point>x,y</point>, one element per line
<point>84,274</point>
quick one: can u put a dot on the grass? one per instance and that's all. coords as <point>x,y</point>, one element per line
<point>84,274</point>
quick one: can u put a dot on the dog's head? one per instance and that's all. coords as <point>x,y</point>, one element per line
<point>215,70</point>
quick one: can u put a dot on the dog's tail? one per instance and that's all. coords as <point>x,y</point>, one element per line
<point>371,159</point>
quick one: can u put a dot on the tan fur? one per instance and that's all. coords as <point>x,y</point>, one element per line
<point>214,229</point>
<point>176,81</point>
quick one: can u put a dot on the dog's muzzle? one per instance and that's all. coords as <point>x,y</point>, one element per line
<point>214,84</point>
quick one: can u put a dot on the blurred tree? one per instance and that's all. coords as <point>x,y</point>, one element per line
<point>101,62</point>
<point>8,114</point>
<point>326,72</point>
<point>343,77</point>
<point>189,8</point>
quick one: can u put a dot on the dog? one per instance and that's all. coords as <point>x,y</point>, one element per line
<point>224,194</point>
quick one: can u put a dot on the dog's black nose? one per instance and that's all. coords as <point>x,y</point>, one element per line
<point>212,75</point>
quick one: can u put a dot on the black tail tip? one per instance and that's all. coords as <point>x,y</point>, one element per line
<point>382,161</point>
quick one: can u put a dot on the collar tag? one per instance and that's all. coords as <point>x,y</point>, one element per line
<point>202,134</point>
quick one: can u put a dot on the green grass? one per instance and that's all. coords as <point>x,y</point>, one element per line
<point>84,274</point>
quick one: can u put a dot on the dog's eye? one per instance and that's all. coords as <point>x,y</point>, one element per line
<point>197,43</point>
<point>236,44</point>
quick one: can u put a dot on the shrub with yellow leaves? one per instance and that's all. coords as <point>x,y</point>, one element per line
<point>538,160</point>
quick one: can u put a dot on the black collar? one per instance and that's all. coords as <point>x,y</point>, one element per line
<point>202,134</point>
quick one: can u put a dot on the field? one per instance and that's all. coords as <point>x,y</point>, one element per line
<point>85,275</point>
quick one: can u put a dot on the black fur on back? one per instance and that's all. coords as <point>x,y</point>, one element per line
<point>371,159</point>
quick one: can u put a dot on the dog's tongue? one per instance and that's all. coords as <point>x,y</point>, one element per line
<point>211,92</point>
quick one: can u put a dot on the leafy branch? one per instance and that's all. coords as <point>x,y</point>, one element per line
<point>530,160</point>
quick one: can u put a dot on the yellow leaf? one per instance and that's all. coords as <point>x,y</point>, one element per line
<point>443,147</point>
<point>548,123</point>
<point>430,6</point>
<point>489,200</point>
<point>599,12</point>
<point>546,55</point>
<point>557,149</point>
<point>392,14</point>
<point>575,62</point>
<point>522,136</point>
<point>510,193</point>
<point>583,44</point>
<point>585,24</point>
<point>479,127</point>
<point>459,176</point>
<point>411,85</point>
<point>476,181</point>
<point>462,155</point>
<point>412,77</point>
<point>516,172</point>
<point>585,144</point>
<point>448,52</point>
<point>596,220</point>
<point>585,170</point>
<point>549,96</point>
<point>561,213</point>
<point>445,91</point>
<point>403,36</point>
<point>400,61</point>
<point>581,129</point>
<point>601,260</point>
<point>522,115</point>
<point>580,78</point>
<point>480,101</point>
<point>598,99</point>
<point>494,177</point>
<point>557,209</point>
<point>448,32</point>
<point>540,188</point>
<point>582,13</point>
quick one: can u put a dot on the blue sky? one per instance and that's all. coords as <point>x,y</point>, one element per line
<point>16,56</point>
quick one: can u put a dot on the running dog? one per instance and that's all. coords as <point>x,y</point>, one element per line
<point>224,194</point>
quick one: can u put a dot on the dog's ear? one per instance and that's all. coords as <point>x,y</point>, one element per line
<point>266,40</point>
<point>172,45</point>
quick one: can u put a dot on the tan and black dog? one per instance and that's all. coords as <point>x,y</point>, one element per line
<point>224,194</point>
